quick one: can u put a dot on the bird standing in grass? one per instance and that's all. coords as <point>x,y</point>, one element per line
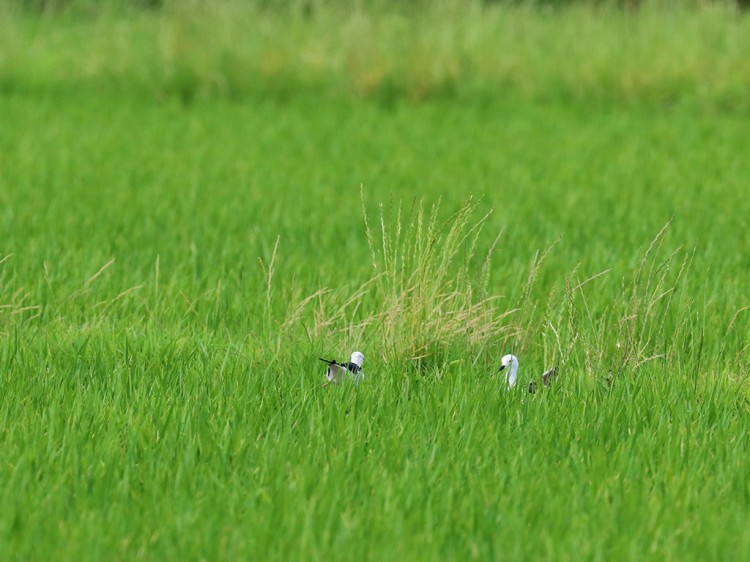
<point>510,362</point>
<point>352,369</point>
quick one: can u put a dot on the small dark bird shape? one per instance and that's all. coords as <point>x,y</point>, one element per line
<point>547,377</point>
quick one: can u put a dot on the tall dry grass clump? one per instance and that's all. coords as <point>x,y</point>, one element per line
<point>434,292</point>
<point>428,290</point>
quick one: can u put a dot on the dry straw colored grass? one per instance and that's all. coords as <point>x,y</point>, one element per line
<point>425,294</point>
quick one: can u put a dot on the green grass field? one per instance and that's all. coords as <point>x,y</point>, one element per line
<point>187,225</point>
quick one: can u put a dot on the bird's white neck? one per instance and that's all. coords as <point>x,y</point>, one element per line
<point>510,378</point>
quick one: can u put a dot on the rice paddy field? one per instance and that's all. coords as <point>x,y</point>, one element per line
<point>199,201</point>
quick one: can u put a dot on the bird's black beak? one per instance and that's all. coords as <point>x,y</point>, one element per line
<point>501,368</point>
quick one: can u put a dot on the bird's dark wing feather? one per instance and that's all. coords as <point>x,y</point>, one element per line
<point>353,367</point>
<point>329,361</point>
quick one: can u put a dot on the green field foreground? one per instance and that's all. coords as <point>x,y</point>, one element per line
<point>180,242</point>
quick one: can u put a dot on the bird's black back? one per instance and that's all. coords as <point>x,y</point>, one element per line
<point>353,367</point>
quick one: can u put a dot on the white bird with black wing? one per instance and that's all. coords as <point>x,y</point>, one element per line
<point>352,369</point>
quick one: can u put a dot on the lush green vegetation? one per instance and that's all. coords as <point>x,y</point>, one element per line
<point>456,49</point>
<point>187,225</point>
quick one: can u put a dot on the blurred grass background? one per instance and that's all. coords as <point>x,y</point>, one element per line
<point>662,52</point>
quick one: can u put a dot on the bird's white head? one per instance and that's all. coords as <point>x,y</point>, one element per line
<point>510,362</point>
<point>357,358</point>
